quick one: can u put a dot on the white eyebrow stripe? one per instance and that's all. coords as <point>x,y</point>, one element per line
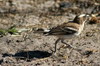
<point>82,15</point>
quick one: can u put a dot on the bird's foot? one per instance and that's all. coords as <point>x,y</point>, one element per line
<point>73,48</point>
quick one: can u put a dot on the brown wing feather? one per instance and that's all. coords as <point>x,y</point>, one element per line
<point>63,29</point>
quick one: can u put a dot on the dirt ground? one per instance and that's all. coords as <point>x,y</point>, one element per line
<point>26,48</point>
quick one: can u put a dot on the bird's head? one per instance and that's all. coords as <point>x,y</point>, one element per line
<point>80,19</point>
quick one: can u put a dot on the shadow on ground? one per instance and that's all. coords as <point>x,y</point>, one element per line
<point>29,55</point>
<point>33,54</point>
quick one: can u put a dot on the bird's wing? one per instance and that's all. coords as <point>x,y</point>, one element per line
<point>63,29</point>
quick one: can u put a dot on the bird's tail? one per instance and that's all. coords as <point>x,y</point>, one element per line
<point>43,31</point>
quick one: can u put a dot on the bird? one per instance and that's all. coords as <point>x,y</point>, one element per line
<point>67,30</point>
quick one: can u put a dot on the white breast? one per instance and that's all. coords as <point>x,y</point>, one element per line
<point>80,29</point>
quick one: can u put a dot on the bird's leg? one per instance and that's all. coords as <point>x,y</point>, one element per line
<point>56,44</point>
<point>62,40</point>
<point>69,46</point>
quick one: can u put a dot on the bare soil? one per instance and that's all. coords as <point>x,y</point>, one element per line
<point>33,49</point>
